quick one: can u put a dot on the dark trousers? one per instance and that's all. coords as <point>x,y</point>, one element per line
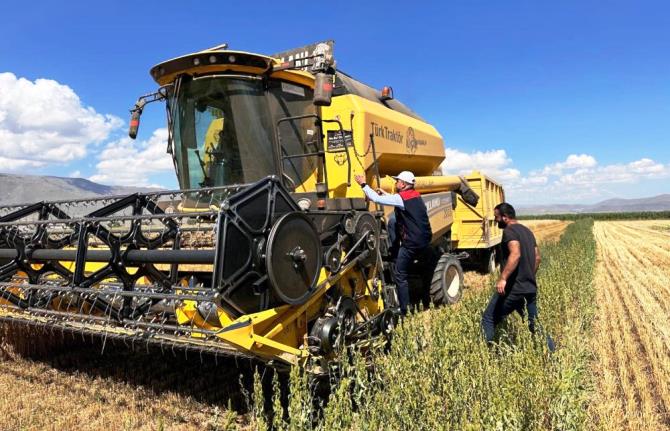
<point>394,238</point>
<point>500,306</point>
<point>402,265</point>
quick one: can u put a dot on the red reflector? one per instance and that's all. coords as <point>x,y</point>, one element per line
<point>134,122</point>
<point>327,86</point>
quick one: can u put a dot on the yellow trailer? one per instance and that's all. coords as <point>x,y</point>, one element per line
<point>474,230</point>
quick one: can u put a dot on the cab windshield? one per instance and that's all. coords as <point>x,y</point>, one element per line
<point>224,130</point>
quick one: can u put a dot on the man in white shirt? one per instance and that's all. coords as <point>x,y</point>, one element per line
<point>412,225</point>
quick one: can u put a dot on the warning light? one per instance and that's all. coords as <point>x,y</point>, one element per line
<point>387,93</point>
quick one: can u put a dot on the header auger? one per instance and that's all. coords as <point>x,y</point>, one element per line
<point>267,251</point>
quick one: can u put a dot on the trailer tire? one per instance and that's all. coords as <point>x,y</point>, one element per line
<point>489,263</point>
<point>446,286</point>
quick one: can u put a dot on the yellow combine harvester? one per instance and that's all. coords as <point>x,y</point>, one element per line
<point>267,250</point>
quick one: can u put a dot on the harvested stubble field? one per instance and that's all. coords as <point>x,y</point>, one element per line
<point>69,385</point>
<point>632,328</point>
<point>547,230</point>
<point>610,371</point>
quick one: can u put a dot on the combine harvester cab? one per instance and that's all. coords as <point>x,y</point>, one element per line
<point>267,251</point>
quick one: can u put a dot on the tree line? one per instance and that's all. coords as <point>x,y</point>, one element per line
<point>639,215</point>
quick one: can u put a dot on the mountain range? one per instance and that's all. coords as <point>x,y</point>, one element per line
<point>16,189</point>
<point>653,203</point>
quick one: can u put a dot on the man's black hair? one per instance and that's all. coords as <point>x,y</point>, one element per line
<point>506,210</point>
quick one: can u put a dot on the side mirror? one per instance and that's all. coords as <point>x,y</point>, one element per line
<point>323,89</point>
<point>134,123</point>
<point>136,112</point>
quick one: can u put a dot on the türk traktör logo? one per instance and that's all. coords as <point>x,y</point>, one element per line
<point>413,143</point>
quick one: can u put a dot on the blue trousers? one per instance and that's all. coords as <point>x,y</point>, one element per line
<point>394,238</point>
<point>402,265</point>
<point>500,306</point>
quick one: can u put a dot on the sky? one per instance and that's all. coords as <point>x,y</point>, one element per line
<point>562,102</point>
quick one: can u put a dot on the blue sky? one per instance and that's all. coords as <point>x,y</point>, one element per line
<point>561,101</point>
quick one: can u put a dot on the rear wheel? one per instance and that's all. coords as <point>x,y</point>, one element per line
<point>446,286</point>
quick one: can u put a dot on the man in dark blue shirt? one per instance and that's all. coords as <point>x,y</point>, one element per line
<point>516,287</point>
<point>412,225</point>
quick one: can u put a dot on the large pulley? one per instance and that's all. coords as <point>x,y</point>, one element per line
<point>293,258</point>
<point>364,228</point>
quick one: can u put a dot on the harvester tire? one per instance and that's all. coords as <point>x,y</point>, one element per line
<point>446,286</point>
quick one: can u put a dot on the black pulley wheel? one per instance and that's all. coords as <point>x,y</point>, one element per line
<point>386,322</point>
<point>346,314</point>
<point>327,331</point>
<point>367,229</point>
<point>333,259</point>
<point>293,258</point>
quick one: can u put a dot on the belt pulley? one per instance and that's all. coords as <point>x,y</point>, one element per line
<point>293,258</point>
<point>365,228</point>
<point>332,330</point>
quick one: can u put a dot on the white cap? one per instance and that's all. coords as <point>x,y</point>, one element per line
<point>405,176</point>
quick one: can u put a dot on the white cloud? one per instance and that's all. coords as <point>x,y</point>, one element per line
<point>536,180</point>
<point>617,173</point>
<point>648,167</point>
<point>577,178</point>
<point>579,161</point>
<point>12,165</point>
<point>581,179</point>
<point>75,174</point>
<point>573,161</point>
<point>44,122</point>
<point>492,162</point>
<point>131,163</point>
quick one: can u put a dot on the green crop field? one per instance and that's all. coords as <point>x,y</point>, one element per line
<point>440,374</point>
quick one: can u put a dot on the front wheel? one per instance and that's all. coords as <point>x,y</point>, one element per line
<point>446,286</point>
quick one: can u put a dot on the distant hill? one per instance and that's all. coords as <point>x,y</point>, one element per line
<point>654,203</point>
<point>16,189</point>
<point>32,188</point>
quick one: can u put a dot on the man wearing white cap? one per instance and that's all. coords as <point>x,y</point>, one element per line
<point>412,225</point>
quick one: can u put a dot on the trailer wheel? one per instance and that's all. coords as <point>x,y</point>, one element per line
<point>489,264</point>
<point>447,284</point>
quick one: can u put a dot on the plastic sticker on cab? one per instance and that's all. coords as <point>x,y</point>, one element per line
<point>292,89</point>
